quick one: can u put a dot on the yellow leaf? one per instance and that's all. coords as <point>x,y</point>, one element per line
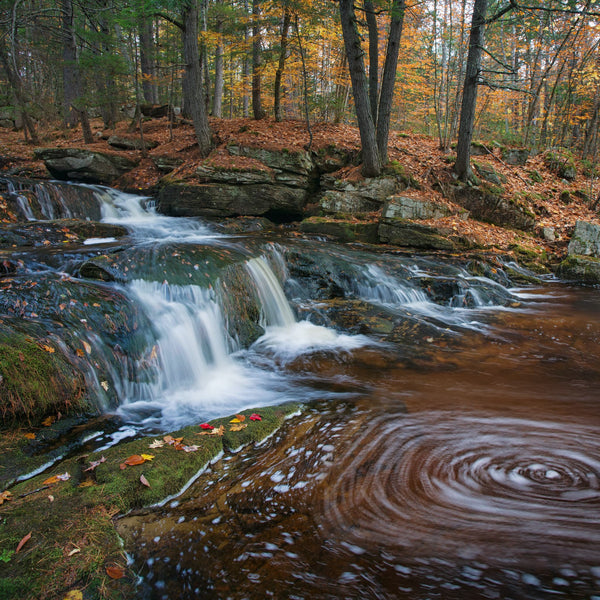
<point>74,595</point>
<point>235,420</point>
<point>87,347</point>
<point>238,427</point>
<point>147,456</point>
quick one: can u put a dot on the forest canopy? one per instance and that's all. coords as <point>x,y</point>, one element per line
<point>537,81</point>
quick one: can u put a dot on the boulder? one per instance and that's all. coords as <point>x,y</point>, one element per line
<point>130,143</point>
<point>356,197</point>
<point>214,200</point>
<point>295,169</point>
<point>166,164</point>
<point>78,164</point>
<point>404,207</point>
<point>490,174</point>
<point>341,230</point>
<point>404,233</point>
<point>211,174</point>
<point>486,204</point>
<point>582,269</point>
<point>515,156</point>
<point>585,240</point>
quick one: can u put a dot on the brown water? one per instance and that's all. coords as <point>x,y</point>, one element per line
<point>474,473</point>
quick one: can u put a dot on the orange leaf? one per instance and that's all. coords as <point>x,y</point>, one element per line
<point>80,352</point>
<point>48,421</point>
<point>115,572</point>
<point>23,542</point>
<point>51,480</point>
<point>134,459</point>
<point>30,436</point>
<point>5,496</point>
<point>144,481</point>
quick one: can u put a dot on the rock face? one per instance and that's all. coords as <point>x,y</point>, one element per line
<point>585,240</point>
<point>414,235</point>
<point>404,207</point>
<point>360,197</point>
<point>76,164</point>
<point>130,143</point>
<point>515,156</point>
<point>341,230</point>
<point>485,205</point>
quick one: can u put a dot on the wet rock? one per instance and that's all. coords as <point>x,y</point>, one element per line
<point>7,267</point>
<point>344,231</point>
<point>585,240</point>
<point>77,164</point>
<point>488,205</point>
<point>404,207</point>
<point>279,203</point>
<point>581,269</point>
<point>413,235</point>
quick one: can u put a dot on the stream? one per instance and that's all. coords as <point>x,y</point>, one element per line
<point>448,444</point>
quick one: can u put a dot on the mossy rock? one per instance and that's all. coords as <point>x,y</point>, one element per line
<point>344,231</point>
<point>35,380</point>
<point>580,269</point>
<point>561,162</point>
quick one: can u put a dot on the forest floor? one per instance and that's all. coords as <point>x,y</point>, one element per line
<point>555,202</point>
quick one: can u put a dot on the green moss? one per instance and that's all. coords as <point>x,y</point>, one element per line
<point>399,171</point>
<point>535,176</point>
<point>35,381</point>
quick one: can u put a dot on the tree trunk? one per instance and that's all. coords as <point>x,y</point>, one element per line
<point>147,61</point>
<point>257,109</point>
<point>71,78</point>
<point>462,166</point>
<point>373,57</point>
<point>192,77</point>
<point>246,68</point>
<point>21,96</point>
<point>282,56</point>
<point>389,79</point>
<point>352,42</point>
<point>219,78</point>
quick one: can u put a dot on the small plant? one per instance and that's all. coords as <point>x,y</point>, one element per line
<point>6,555</point>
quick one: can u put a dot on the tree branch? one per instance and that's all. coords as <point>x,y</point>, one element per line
<point>170,20</point>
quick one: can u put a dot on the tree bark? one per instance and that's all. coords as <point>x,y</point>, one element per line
<point>462,166</point>
<point>192,77</point>
<point>71,78</point>
<point>219,78</point>
<point>147,61</point>
<point>280,66</point>
<point>370,154</point>
<point>257,109</point>
<point>373,57</point>
<point>389,79</point>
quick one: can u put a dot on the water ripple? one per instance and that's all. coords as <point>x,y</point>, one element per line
<point>504,486</point>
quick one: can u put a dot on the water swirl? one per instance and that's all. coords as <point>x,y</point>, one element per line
<point>471,485</point>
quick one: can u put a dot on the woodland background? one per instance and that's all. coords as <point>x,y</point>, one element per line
<point>539,82</point>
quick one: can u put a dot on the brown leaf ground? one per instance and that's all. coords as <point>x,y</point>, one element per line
<point>418,156</point>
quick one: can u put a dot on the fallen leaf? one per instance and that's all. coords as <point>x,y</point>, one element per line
<point>30,436</point>
<point>5,497</point>
<point>171,440</point>
<point>104,385</point>
<point>238,419</point>
<point>94,464</point>
<point>191,448</point>
<point>74,595</point>
<point>206,426</point>
<point>48,421</point>
<point>147,456</point>
<point>115,572</point>
<point>74,551</point>
<point>144,481</point>
<point>48,348</point>
<point>86,483</point>
<point>23,542</point>
<point>219,431</point>
<point>238,427</point>
<point>87,347</point>
<point>80,352</point>
<point>134,459</point>
<point>56,478</point>
<point>51,498</point>
<point>255,417</point>
<point>156,444</point>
